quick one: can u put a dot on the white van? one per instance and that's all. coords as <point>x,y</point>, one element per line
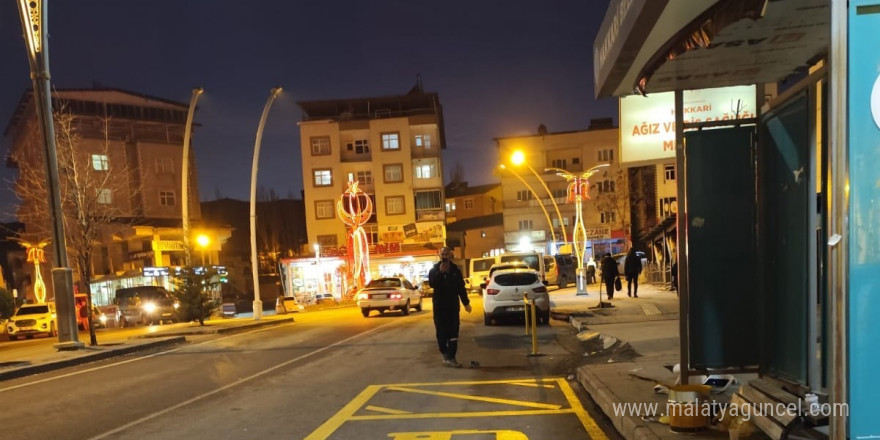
<point>478,271</point>
<point>533,259</point>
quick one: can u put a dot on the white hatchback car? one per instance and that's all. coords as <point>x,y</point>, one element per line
<point>33,319</point>
<point>389,294</point>
<point>503,295</point>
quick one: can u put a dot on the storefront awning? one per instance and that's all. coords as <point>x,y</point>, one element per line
<point>651,46</point>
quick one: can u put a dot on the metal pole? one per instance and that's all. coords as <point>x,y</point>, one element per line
<point>34,19</point>
<point>553,201</point>
<point>681,248</point>
<point>532,190</point>
<point>526,311</point>
<point>184,178</point>
<point>255,266</point>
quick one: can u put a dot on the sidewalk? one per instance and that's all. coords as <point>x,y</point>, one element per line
<point>638,340</point>
<point>27,360</point>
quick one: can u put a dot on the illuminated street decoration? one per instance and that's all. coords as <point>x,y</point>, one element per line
<point>578,191</point>
<point>36,255</point>
<point>355,208</point>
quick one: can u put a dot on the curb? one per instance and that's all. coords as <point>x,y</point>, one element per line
<point>86,358</point>
<point>218,329</point>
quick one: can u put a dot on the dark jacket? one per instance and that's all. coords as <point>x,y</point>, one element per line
<point>448,288</point>
<point>609,268</point>
<point>632,265</point>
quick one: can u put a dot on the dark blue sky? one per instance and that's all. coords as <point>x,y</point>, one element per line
<point>500,67</point>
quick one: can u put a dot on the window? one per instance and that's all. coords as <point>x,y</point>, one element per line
<point>423,141</point>
<point>428,200</point>
<point>327,240</point>
<point>450,206</point>
<point>324,209</point>
<point>390,141</point>
<point>320,146</point>
<point>394,205</point>
<point>605,186</point>
<point>100,162</point>
<point>669,171</point>
<point>525,225</point>
<point>105,196</point>
<point>166,198</point>
<point>524,195</point>
<point>606,155</point>
<point>323,177</point>
<point>393,172</point>
<point>164,165</point>
<point>556,222</point>
<point>560,193</point>
<point>558,163</point>
<point>607,217</point>
<point>575,160</point>
<point>362,177</point>
<point>425,171</point>
<point>468,203</point>
<point>359,146</point>
<point>372,232</point>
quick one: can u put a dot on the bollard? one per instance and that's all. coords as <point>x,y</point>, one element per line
<point>526,311</point>
<point>534,330</point>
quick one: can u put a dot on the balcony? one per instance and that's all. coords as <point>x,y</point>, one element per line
<point>427,215</point>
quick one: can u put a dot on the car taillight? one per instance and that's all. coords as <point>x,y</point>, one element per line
<point>541,289</point>
<point>395,296</point>
<point>492,291</point>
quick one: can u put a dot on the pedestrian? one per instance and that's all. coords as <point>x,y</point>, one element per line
<point>591,271</point>
<point>632,267</point>
<point>609,273</point>
<point>448,284</point>
<point>674,275</point>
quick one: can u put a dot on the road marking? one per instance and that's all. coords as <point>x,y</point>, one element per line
<point>238,382</point>
<point>651,309</point>
<point>476,398</point>
<point>349,413</point>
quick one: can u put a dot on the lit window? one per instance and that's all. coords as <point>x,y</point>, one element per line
<point>100,162</point>
<point>166,198</point>
<point>324,209</point>
<point>105,196</point>
<point>323,178</point>
<point>393,173</point>
<point>423,141</point>
<point>362,177</point>
<point>320,146</point>
<point>426,171</point>
<point>450,207</point>
<point>394,205</point>
<point>390,141</point>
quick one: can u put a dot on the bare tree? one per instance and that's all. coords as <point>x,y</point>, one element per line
<point>612,196</point>
<point>456,174</point>
<point>93,176</point>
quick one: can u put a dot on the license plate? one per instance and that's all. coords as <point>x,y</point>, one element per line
<point>380,296</point>
<point>516,309</point>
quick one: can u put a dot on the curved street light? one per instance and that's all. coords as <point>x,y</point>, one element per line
<point>518,158</point>
<point>255,266</point>
<point>532,190</point>
<point>184,179</point>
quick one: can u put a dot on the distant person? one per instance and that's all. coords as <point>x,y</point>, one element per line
<point>632,267</point>
<point>609,273</point>
<point>448,284</point>
<point>591,271</point>
<point>675,275</point>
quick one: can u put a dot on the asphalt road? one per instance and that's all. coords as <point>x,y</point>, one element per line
<point>331,374</point>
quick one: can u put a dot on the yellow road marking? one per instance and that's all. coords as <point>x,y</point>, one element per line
<point>447,435</point>
<point>386,410</point>
<point>333,423</point>
<point>463,415</point>
<point>477,398</point>
<point>471,382</point>
<point>534,385</point>
<point>592,428</point>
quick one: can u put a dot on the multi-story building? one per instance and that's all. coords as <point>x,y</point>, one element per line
<point>391,146</point>
<point>132,147</point>
<point>475,223</point>
<point>606,215</point>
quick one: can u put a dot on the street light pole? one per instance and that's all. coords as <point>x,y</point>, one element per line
<point>184,191</point>
<point>532,190</point>
<point>255,266</point>
<point>34,19</point>
<point>519,158</point>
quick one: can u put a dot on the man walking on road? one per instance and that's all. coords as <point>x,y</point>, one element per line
<point>632,267</point>
<point>448,284</point>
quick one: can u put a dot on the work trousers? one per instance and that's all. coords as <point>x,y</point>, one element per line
<point>446,324</point>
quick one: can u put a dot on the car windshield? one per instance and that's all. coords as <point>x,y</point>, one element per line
<point>384,282</point>
<point>33,310</point>
<point>516,279</point>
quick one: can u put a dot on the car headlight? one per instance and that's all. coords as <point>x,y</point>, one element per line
<point>103,319</point>
<point>176,305</point>
<point>149,307</point>
<point>362,296</point>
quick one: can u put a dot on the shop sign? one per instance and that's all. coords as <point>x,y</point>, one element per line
<point>410,230</point>
<point>139,255</point>
<point>167,245</point>
<point>647,123</point>
<point>534,236</point>
<point>156,271</point>
<point>413,233</point>
<point>598,233</point>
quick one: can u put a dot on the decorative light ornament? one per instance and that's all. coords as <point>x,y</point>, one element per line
<point>36,255</point>
<point>355,212</point>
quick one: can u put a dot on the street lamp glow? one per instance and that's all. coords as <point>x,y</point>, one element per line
<point>525,244</point>
<point>517,158</point>
<point>203,240</point>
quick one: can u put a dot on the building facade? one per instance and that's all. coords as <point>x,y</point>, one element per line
<point>475,223</point>
<point>391,146</point>
<point>128,148</point>
<point>606,215</point>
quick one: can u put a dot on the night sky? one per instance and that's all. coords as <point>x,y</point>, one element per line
<point>500,68</point>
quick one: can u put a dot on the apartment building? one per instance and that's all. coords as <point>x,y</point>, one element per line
<point>606,215</point>
<point>129,148</point>
<point>474,221</point>
<point>391,146</point>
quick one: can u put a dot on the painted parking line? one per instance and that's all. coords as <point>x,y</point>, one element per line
<point>441,410</point>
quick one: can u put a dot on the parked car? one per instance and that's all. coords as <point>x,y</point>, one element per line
<point>533,259</point>
<point>621,258</point>
<point>393,293</point>
<point>33,319</point>
<point>286,304</point>
<point>503,295</point>
<point>325,298</point>
<point>478,272</point>
<point>560,270</point>
<point>426,290</point>
<point>145,305</point>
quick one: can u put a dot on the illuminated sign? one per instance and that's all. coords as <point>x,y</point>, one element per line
<point>598,233</point>
<point>156,271</point>
<point>647,124</point>
<point>167,245</point>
